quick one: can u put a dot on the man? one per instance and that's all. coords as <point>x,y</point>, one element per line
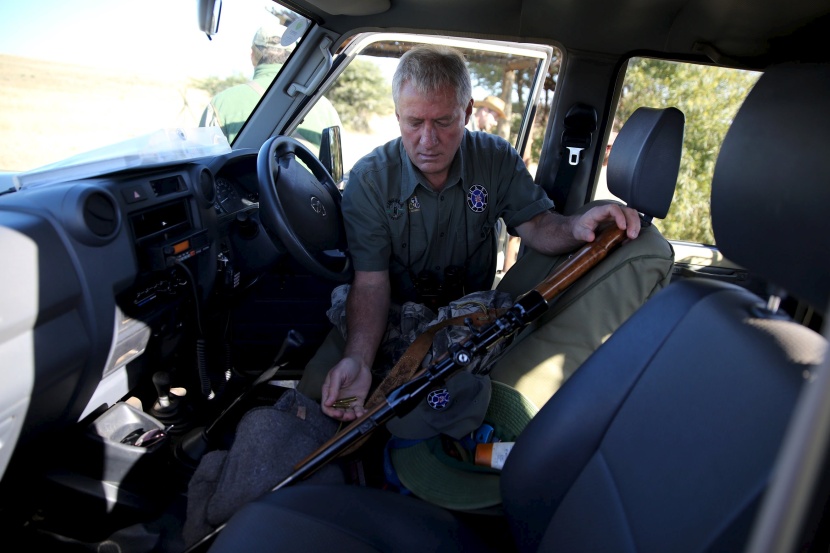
<point>230,108</point>
<point>429,201</point>
<point>487,113</point>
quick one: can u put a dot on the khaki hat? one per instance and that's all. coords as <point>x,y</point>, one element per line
<point>492,102</point>
<point>269,36</point>
<point>431,471</point>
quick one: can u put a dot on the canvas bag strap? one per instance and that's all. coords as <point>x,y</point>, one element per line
<point>256,86</point>
<point>410,361</point>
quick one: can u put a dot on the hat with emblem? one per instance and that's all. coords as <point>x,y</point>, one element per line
<point>455,409</point>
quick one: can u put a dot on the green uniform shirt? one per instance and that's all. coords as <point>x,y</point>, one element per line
<point>230,108</point>
<point>395,221</point>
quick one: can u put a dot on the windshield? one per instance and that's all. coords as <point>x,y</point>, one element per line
<point>83,75</point>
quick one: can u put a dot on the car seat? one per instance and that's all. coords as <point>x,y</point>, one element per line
<point>642,171</point>
<point>666,437</point>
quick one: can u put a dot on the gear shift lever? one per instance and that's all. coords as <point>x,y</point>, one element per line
<point>169,408</point>
<point>161,380</point>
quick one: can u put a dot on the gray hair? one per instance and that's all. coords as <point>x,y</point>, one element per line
<point>429,68</point>
<point>270,55</point>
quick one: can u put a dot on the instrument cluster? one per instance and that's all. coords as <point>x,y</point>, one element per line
<point>231,197</point>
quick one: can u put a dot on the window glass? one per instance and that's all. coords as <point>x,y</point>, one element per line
<point>505,79</point>
<point>503,85</point>
<point>709,97</point>
<point>76,85</point>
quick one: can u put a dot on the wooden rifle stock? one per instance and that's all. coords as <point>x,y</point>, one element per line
<point>580,263</point>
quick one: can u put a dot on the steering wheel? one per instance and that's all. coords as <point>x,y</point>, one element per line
<point>299,206</point>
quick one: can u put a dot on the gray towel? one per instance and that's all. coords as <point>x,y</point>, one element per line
<point>269,442</point>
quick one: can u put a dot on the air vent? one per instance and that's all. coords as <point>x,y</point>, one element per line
<point>100,214</point>
<point>91,214</point>
<point>206,184</point>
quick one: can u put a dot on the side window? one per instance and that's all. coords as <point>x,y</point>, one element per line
<point>505,79</point>
<point>710,98</point>
<point>511,84</point>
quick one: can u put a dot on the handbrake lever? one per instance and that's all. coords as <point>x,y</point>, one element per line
<point>292,343</point>
<point>195,444</point>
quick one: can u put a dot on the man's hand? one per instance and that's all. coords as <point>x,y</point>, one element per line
<point>554,234</point>
<point>347,384</point>
<point>585,226</point>
<point>345,390</point>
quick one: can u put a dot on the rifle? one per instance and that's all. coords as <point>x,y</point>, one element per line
<point>404,398</point>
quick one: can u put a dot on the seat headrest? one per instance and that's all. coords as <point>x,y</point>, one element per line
<point>771,186</point>
<point>643,164</point>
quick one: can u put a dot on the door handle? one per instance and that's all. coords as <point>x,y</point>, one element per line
<point>318,77</point>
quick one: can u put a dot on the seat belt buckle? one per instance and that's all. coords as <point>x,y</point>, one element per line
<point>574,154</point>
<point>575,143</point>
<point>580,124</point>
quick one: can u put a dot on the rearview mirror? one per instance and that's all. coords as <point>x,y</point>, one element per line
<point>209,12</point>
<point>331,154</point>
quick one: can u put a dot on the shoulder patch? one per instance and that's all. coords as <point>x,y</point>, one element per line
<point>477,198</point>
<point>394,208</point>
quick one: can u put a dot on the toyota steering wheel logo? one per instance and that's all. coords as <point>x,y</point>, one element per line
<point>318,206</point>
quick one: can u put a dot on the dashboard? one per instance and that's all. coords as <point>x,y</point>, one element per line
<point>116,264</point>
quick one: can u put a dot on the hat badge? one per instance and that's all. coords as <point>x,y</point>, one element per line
<point>439,399</point>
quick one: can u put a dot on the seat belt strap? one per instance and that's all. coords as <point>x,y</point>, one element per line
<point>580,124</point>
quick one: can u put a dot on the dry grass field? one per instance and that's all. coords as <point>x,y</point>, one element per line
<point>50,111</point>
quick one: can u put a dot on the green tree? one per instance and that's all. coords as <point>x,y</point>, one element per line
<point>709,97</point>
<point>359,93</point>
<point>214,85</point>
<point>493,72</point>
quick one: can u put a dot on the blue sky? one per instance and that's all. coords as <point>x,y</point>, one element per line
<point>110,33</point>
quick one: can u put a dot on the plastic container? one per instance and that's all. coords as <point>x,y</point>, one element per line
<point>115,424</point>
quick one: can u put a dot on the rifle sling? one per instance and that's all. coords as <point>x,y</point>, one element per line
<point>410,361</point>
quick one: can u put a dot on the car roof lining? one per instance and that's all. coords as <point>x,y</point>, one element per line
<point>727,29</point>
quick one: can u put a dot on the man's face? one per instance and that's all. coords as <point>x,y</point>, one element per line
<point>486,119</point>
<point>431,129</point>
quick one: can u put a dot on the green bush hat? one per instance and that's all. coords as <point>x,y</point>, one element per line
<point>431,470</point>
